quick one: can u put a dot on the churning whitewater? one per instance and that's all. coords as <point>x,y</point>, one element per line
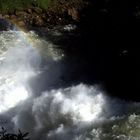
<point>33,99</point>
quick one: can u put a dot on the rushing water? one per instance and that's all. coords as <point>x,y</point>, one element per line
<point>33,96</point>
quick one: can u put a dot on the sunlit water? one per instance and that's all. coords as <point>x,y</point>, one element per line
<point>77,112</point>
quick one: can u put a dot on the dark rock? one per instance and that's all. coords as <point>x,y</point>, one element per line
<point>73,12</point>
<point>20,13</point>
<point>1,16</point>
<point>13,16</point>
<point>29,11</point>
<point>37,10</point>
<point>38,21</point>
<point>21,23</point>
<point>5,25</point>
<point>6,16</point>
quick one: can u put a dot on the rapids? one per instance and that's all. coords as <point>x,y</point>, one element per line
<point>34,96</point>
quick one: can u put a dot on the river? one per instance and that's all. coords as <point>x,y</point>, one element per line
<point>42,92</point>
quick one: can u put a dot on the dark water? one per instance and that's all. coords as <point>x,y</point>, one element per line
<point>108,58</point>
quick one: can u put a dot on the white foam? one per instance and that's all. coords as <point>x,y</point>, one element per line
<point>18,63</point>
<point>78,112</point>
<point>83,103</point>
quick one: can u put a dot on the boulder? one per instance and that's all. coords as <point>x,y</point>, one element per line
<point>5,25</point>
<point>37,10</point>
<point>21,23</point>
<point>38,21</point>
<point>20,13</point>
<point>73,12</point>
<point>29,11</point>
<point>1,16</point>
<point>13,17</point>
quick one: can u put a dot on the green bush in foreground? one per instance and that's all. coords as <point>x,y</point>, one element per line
<point>7,136</point>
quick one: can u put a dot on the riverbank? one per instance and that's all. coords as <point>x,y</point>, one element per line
<point>90,15</point>
<point>58,12</point>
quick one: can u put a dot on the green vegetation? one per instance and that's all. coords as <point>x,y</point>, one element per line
<point>9,6</point>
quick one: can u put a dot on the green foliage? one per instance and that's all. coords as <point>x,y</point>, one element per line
<point>7,6</point>
<point>42,3</point>
<point>7,136</point>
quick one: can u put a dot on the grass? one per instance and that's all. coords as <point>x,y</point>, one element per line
<point>9,6</point>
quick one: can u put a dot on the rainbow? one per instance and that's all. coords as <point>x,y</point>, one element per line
<point>18,25</point>
<point>13,23</point>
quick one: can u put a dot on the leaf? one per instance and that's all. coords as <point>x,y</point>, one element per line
<point>24,135</point>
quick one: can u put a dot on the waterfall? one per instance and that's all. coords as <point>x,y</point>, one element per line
<point>35,98</point>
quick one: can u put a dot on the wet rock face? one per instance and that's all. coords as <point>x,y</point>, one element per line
<point>74,13</point>
<point>5,25</point>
